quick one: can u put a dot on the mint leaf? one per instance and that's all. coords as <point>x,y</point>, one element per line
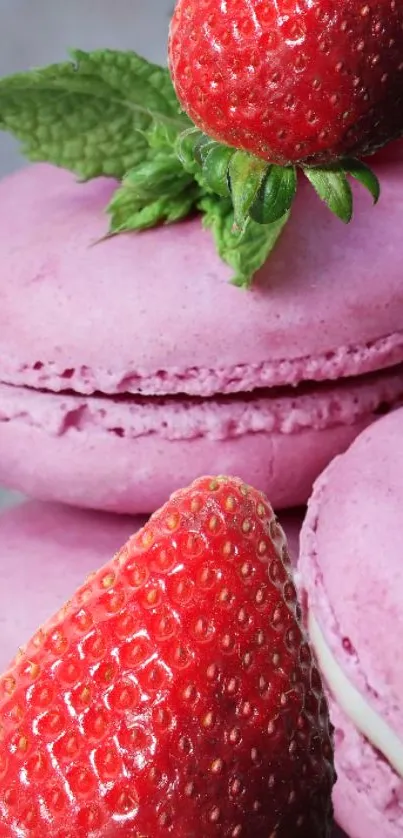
<point>162,191</point>
<point>162,137</point>
<point>89,115</point>
<point>244,250</point>
<point>115,114</point>
<point>157,191</point>
<point>127,215</point>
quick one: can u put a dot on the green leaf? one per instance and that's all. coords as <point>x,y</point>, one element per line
<point>358,170</point>
<point>206,159</point>
<point>215,171</point>
<point>162,138</point>
<point>202,147</point>
<point>333,188</point>
<point>128,216</point>
<point>89,115</point>
<point>246,174</point>
<point>157,191</point>
<point>115,114</point>
<point>163,175</point>
<point>275,195</point>
<point>185,147</point>
<point>244,250</point>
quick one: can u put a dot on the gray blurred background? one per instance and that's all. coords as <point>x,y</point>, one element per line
<point>36,32</point>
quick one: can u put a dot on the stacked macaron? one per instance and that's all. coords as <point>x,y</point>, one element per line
<point>131,365</point>
<point>351,570</point>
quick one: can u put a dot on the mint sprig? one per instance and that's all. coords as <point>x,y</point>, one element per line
<point>246,249</point>
<point>155,192</point>
<point>115,114</point>
<point>89,115</point>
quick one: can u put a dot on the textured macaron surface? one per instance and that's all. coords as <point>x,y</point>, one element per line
<point>283,411</point>
<point>154,313</point>
<point>353,549</point>
<point>127,454</point>
<point>351,567</point>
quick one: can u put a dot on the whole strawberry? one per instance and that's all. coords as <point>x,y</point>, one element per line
<point>175,694</point>
<point>291,80</point>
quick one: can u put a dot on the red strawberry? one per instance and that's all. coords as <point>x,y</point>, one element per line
<point>291,80</point>
<point>175,694</point>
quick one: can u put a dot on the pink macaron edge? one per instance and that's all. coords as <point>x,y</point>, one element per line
<point>325,306</point>
<point>368,791</point>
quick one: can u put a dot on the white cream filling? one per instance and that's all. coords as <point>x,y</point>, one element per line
<point>369,723</point>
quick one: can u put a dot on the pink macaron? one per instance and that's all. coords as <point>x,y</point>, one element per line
<point>131,365</point>
<point>351,570</point>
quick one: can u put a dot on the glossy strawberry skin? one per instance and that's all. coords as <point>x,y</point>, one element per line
<point>291,81</point>
<point>176,693</point>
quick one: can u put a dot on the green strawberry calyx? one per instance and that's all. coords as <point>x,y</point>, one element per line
<point>263,191</point>
<point>114,114</point>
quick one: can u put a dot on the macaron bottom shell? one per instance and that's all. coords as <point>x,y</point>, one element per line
<point>127,455</point>
<point>366,794</point>
<point>137,477</point>
<point>350,573</point>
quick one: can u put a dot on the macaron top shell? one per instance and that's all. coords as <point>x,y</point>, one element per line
<point>352,563</point>
<point>155,312</point>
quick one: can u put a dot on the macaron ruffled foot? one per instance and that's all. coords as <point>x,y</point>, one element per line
<point>351,575</point>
